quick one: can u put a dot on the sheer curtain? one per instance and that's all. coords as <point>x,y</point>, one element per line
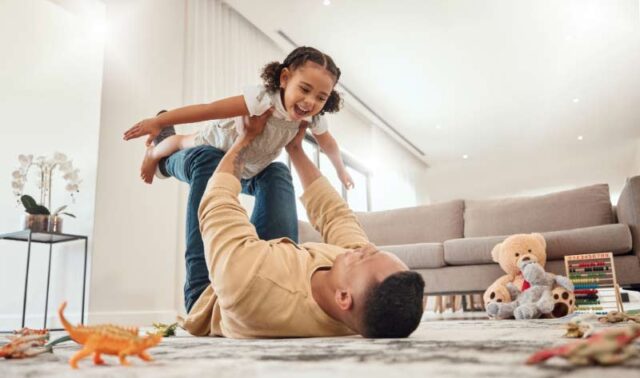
<point>223,52</point>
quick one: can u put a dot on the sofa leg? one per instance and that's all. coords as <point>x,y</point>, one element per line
<point>439,305</point>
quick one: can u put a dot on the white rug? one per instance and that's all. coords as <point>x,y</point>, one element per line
<point>455,348</point>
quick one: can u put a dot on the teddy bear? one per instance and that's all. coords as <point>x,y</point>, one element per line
<point>511,254</point>
<point>533,302</point>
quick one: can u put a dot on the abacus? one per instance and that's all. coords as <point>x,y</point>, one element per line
<point>594,278</point>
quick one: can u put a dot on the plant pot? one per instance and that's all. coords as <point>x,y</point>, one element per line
<point>42,223</point>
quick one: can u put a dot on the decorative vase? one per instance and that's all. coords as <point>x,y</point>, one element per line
<point>42,223</point>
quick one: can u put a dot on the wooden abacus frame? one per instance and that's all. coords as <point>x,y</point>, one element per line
<point>589,277</point>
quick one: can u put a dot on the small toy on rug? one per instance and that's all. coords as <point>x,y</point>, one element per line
<point>26,343</point>
<point>532,302</point>
<point>165,330</point>
<point>108,339</point>
<point>513,254</point>
<point>617,317</point>
<point>580,327</point>
<point>594,277</point>
<point>609,347</point>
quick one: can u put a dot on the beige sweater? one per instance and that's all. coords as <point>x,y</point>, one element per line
<point>262,288</point>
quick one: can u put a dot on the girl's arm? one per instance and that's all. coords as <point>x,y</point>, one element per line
<point>225,108</point>
<point>330,147</point>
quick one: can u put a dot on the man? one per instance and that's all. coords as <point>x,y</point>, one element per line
<point>276,288</point>
<point>274,214</point>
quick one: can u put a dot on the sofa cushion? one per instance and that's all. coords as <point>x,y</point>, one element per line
<point>422,224</point>
<point>628,208</point>
<point>419,255</point>
<point>614,238</point>
<point>306,233</point>
<point>477,278</point>
<point>583,207</point>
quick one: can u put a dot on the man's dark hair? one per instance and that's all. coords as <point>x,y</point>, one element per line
<point>393,307</point>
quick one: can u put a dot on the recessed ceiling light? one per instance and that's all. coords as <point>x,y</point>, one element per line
<point>465,156</point>
<point>326,2</point>
<point>438,127</point>
<point>576,100</point>
<point>580,137</point>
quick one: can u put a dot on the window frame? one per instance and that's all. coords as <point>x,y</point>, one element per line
<point>348,160</point>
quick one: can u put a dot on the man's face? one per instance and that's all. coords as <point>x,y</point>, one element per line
<point>356,270</point>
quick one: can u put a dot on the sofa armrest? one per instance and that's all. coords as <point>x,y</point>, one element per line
<point>628,209</point>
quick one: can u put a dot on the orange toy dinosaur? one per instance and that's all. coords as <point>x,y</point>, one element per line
<point>107,339</point>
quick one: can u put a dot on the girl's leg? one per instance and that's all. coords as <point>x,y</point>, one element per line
<point>274,213</point>
<point>194,166</point>
<point>164,149</point>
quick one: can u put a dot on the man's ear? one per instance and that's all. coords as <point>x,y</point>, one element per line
<point>344,300</point>
<point>285,74</point>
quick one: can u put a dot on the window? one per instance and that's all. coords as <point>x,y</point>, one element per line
<point>358,198</point>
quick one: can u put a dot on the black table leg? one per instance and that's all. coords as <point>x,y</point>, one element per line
<point>26,280</point>
<point>84,280</point>
<point>46,301</point>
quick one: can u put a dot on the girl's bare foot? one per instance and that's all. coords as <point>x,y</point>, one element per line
<point>149,165</point>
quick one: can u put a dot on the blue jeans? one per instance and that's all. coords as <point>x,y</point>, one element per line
<point>274,214</point>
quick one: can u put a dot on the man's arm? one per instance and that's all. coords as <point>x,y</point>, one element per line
<point>328,213</point>
<point>233,250</point>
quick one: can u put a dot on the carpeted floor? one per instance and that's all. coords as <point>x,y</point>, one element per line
<point>455,348</point>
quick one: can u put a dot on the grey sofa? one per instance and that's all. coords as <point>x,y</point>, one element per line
<point>450,243</point>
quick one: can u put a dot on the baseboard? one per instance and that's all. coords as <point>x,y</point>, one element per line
<point>130,318</point>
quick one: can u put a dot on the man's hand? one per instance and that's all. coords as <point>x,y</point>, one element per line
<point>149,126</point>
<point>234,159</point>
<point>296,143</point>
<point>254,126</point>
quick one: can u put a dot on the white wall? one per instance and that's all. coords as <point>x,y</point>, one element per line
<point>530,174</point>
<point>137,225</point>
<point>636,166</point>
<point>50,75</point>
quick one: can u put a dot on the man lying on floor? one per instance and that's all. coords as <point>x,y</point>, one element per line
<point>276,288</point>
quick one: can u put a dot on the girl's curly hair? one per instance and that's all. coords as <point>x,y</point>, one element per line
<point>298,57</point>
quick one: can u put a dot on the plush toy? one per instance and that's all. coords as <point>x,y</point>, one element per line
<point>533,302</point>
<point>519,251</point>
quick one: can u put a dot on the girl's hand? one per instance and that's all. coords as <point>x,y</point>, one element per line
<point>346,179</point>
<point>149,126</point>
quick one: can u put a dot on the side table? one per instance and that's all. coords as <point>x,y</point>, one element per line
<point>47,238</point>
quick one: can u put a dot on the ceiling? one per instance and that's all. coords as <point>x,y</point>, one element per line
<point>485,79</point>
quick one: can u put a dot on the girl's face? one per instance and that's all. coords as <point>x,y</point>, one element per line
<point>306,89</point>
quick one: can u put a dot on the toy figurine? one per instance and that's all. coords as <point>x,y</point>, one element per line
<point>108,339</point>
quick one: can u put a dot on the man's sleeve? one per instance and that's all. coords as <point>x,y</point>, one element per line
<point>232,248</point>
<point>330,215</point>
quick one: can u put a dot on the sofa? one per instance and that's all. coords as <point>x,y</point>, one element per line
<point>450,243</point>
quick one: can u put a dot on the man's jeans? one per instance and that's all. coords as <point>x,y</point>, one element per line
<point>274,214</point>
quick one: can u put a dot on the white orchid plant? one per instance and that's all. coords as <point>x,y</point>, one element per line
<point>45,168</point>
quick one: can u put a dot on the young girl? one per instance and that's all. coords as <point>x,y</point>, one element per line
<point>300,89</point>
